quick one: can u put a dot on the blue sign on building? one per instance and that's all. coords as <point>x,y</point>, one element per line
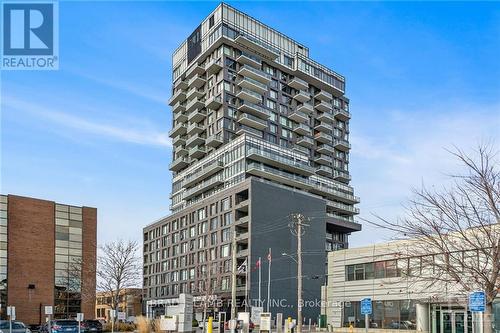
<point>477,301</point>
<point>366,306</point>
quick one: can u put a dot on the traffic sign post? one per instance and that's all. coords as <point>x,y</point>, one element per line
<point>366,309</point>
<point>11,312</point>
<point>477,305</point>
<point>79,318</point>
<point>48,313</point>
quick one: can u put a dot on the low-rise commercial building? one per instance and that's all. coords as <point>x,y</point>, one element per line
<point>130,302</point>
<point>47,257</point>
<point>381,272</point>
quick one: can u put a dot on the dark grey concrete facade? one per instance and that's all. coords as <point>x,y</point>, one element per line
<point>270,207</point>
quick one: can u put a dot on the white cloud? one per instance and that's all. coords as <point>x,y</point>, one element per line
<point>411,151</point>
<point>143,136</point>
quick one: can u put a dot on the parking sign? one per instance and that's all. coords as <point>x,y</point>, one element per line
<point>477,301</point>
<point>366,306</point>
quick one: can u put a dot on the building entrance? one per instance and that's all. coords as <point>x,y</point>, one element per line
<point>455,321</point>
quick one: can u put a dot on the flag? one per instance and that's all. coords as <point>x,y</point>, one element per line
<point>257,264</point>
<point>243,267</point>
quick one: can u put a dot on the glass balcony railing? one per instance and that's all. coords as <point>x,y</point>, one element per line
<point>280,159</point>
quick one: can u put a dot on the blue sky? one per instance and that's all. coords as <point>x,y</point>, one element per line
<point>421,77</point>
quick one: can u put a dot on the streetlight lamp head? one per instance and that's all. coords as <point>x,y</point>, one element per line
<point>284,254</point>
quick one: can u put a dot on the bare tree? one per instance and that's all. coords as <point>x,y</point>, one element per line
<point>118,267</point>
<point>453,233</point>
<point>208,284</point>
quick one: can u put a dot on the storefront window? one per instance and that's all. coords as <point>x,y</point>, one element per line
<point>397,314</point>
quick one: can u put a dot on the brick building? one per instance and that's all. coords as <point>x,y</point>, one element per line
<point>47,257</point>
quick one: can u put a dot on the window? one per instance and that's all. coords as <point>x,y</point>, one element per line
<point>273,94</point>
<point>374,270</point>
<point>224,251</point>
<point>226,204</point>
<point>211,21</point>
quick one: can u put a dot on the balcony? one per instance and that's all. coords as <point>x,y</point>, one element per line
<point>302,96</point>
<point>213,102</point>
<point>180,117</point>
<point>276,175</point>
<point>254,109</point>
<point>324,96</point>
<point>342,145</point>
<point>305,183</point>
<point>341,207</point>
<point>324,148</point>
<point>298,116</point>
<point>195,140</point>
<point>243,129</point>
<point>341,176</point>
<point>242,253</point>
<point>280,161</point>
<point>181,151</point>
<point>179,140</point>
<point>324,170</point>
<point>197,115</point>
<point>342,114</point>
<point>197,81</point>
<point>197,152</point>
<point>203,186</point>
<point>242,237</point>
<point>323,159</point>
<point>253,85</point>
<point>257,46</point>
<point>249,96</point>
<point>306,108</point>
<point>252,121</point>
<point>302,150</point>
<point>242,221</point>
<point>179,163</point>
<point>179,107</point>
<point>178,96</point>
<point>194,70</point>
<point>327,117</point>
<point>323,106</point>
<point>213,66</point>
<point>298,84</point>
<point>194,104</point>
<point>214,140</point>
<point>194,128</point>
<point>302,129</point>
<point>249,60</point>
<point>323,137</point>
<point>305,141</point>
<point>178,129</point>
<point>180,84</point>
<point>194,93</point>
<point>323,127</point>
<point>255,74</point>
<point>203,173</point>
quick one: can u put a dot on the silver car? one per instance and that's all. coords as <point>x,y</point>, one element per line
<point>17,327</point>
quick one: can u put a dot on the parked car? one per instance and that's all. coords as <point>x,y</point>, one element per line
<point>62,326</point>
<point>92,326</point>
<point>17,327</point>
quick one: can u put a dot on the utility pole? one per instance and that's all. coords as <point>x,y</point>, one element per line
<point>297,226</point>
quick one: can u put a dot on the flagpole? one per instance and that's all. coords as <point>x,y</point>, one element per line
<point>260,282</point>
<point>269,258</point>
<point>246,285</point>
